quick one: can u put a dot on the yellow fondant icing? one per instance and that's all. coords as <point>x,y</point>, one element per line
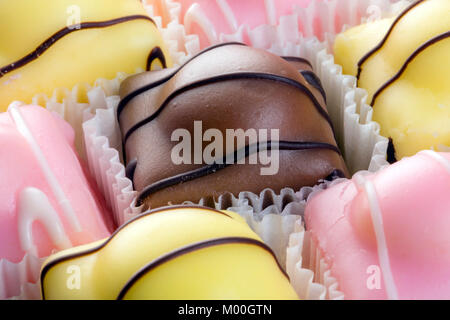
<point>410,96</point>
<point>223,271</point>
<point>83,55</point>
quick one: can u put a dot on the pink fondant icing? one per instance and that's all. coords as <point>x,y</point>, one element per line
<point>28,188</point>
<point>226,20</point>
<point>413,196</point>
<point>248,13</point>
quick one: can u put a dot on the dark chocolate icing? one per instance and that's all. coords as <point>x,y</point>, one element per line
<point>212,168</point>
<point>125,100</point>
<point>59,260</point>
<point>317,84</point>
<point>191,248</point>
<point>423,47</point>
<point>62,33</point>
<point>150,86</point>
<point>383,41</point>
<point>156,54</point>
<point>228,77</point>
<point>226,89</point>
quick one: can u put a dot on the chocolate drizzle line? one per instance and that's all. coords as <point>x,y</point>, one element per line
<point>298,59</point>
<point>419,50</point>
<point>124,102</point>
<point>335,174</point>
<point>391,152</point>
<point>62,33</point>
<point>59,260</point>
<point>213,168</point>
<point>382,42</point>
<point>129,170</point>
<point>228,77</point>
<point>314,80</point>
<point>191,248</point>
<point>156,54</point>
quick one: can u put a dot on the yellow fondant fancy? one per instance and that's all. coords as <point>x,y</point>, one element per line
<point>405,74</point>
<point>49,44</point>
<point>170,253</point>
<point>354,43</point>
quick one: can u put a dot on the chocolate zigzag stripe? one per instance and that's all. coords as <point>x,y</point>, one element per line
<point>382,42</point>
<point>64,32</point>
<point>52,263</point>
<point>228,77</point>
<point>124,102</point>
<point>156,54</point>
<point>419,50</point>
<point>217,166</point>
<point>191,248</point>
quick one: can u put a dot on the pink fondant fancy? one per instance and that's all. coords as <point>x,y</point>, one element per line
<point>47,200</point>
<point>385,235</point>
